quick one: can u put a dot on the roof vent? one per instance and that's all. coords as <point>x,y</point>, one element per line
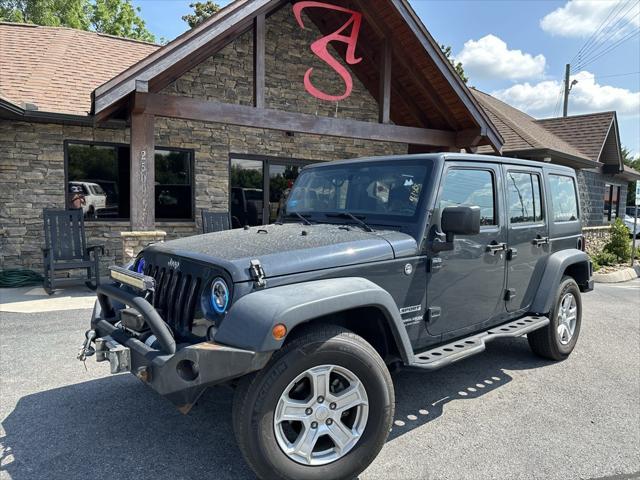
<point>32,107</point>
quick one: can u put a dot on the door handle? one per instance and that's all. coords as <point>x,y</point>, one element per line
<point>494,247</point>
<point>539,241</point>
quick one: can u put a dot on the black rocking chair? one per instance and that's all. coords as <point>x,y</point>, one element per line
<point>66,247</point>
<point>215,221</point>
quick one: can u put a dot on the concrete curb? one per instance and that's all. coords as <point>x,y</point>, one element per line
<point>623,275</point>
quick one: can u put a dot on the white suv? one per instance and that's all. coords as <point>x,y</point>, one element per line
<point>94,197</point>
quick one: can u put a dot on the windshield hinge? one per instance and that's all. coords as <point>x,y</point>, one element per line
<point>257,274</point>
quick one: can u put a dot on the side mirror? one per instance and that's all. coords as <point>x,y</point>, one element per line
<point>460,221</point>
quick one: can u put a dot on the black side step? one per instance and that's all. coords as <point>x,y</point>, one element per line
<point>465,347</point>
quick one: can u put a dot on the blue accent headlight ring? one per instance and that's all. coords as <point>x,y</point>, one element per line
<point>140,266</point>
<point>219,295</point>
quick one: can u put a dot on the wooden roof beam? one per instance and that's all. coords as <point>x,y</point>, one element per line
<point>242,115</point>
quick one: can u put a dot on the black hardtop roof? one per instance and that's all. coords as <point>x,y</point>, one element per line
<point>441,157</point>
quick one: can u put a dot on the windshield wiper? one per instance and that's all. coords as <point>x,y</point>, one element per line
<point>304,219</point>
<point>351,216</point>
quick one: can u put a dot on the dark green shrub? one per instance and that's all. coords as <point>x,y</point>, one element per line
<point>602,259</point>
<point>619,245</point>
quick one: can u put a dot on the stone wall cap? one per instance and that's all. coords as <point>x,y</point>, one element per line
<point>143,234</point>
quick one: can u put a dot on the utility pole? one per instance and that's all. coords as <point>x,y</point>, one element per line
<point>567,69</point>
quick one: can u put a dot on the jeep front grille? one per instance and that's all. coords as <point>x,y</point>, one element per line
<point>176,297</point>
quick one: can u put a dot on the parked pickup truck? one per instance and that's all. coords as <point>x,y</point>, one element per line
<point>375,264</point>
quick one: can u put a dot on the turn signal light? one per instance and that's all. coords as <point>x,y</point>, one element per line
<point>279,331</point>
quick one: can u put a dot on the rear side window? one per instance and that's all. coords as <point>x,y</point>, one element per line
<point>564,198</point>
<point>524,197</point>
<point>470,188</point>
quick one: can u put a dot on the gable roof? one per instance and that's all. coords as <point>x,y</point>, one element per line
<point>595,135</point>
<point>430,82</point>
<point>55,69</point>
<point>524,135</point>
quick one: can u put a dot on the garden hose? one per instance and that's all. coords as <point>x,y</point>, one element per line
<point>13,278</point>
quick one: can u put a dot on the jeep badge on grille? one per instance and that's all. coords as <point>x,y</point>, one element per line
<point>175,264</point>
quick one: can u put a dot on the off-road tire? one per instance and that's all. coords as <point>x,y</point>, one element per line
<point>257,395</point>
<point>545,342</point>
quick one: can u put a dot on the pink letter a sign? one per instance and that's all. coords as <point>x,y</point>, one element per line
<point>319,47</point>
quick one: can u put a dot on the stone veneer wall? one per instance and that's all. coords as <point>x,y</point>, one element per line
<point>591,186</point>
<point>32,154</point>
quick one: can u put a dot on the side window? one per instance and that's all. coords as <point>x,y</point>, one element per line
<point>471,188</point>
<point>523,190</point>
<point>564,198</point>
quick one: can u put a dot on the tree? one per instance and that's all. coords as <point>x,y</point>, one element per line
<point>120,18</point>
<point>201,11</point>
<point>55,13</point>
<point>113,17</point>
<point>634,163</point>
<point>456,65</point>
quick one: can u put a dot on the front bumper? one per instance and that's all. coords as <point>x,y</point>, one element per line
<point>182,375</point>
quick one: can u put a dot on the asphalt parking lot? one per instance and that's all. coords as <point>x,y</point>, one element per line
<point>503,414</point>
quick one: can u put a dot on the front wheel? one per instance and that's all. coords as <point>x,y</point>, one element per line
<point>324,400</point>
<point>557,340</point>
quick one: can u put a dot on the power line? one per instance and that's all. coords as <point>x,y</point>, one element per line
<point>594,52</point>
<point>612,47</point>
<point>618,75</point>
<point>591,39</point>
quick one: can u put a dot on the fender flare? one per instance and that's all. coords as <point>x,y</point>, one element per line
<point>557,264</point>
<point>250,320</point>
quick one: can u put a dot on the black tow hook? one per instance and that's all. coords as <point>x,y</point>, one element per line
<point>87,350</point>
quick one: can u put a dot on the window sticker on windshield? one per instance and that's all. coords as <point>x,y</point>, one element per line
<point>415,192</point>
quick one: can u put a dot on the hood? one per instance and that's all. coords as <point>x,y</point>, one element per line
<point>287,249</point>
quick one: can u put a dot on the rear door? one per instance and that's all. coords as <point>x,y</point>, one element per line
<point>466,285</point>
<point>527,234</point>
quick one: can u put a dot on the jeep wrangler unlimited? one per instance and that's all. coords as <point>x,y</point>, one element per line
<point>375,263</point>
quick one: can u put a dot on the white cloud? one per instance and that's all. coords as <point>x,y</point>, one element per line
<point>489,57</point>
<point>581,18</point>
<point>586,96</point>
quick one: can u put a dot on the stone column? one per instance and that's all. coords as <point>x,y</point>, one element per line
<point>134,242</point>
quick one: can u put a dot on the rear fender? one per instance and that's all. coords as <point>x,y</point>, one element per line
<point>250,320</point>
<point>557,265</point>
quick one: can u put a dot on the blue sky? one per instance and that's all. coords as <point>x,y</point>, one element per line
<point>517,50</point>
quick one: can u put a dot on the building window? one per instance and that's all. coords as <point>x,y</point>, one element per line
<point>564,198</point>
<point>99,181</point>
<point>259,187</point>
<point>524,197</point>
<point>611,202</point>
<point>472,188</point>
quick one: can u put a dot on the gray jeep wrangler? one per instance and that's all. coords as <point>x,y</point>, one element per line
<point>377,263</point>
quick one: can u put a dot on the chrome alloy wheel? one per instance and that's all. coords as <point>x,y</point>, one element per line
<point>567,318</point>
<point>321,415</point>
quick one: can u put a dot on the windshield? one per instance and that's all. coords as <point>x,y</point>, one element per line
<point>379,189</point>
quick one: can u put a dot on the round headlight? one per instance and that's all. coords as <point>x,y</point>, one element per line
<point>219,295</point>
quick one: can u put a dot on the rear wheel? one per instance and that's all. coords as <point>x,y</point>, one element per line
<point>325,400</point>
<point>558,339</point>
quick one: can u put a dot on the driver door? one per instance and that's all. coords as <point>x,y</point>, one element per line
<point>466,284</point>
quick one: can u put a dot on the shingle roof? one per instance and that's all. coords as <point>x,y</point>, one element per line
<point>587,133</point>
<point>57,68</point>
<point>521,131</point>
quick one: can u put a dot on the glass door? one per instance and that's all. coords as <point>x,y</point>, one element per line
<point>281,178</point>
<point>260,187</point>
<point>247,192</point>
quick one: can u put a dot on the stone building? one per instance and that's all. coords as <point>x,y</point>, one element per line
<point>589,143</point>
<point>221,119</point>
